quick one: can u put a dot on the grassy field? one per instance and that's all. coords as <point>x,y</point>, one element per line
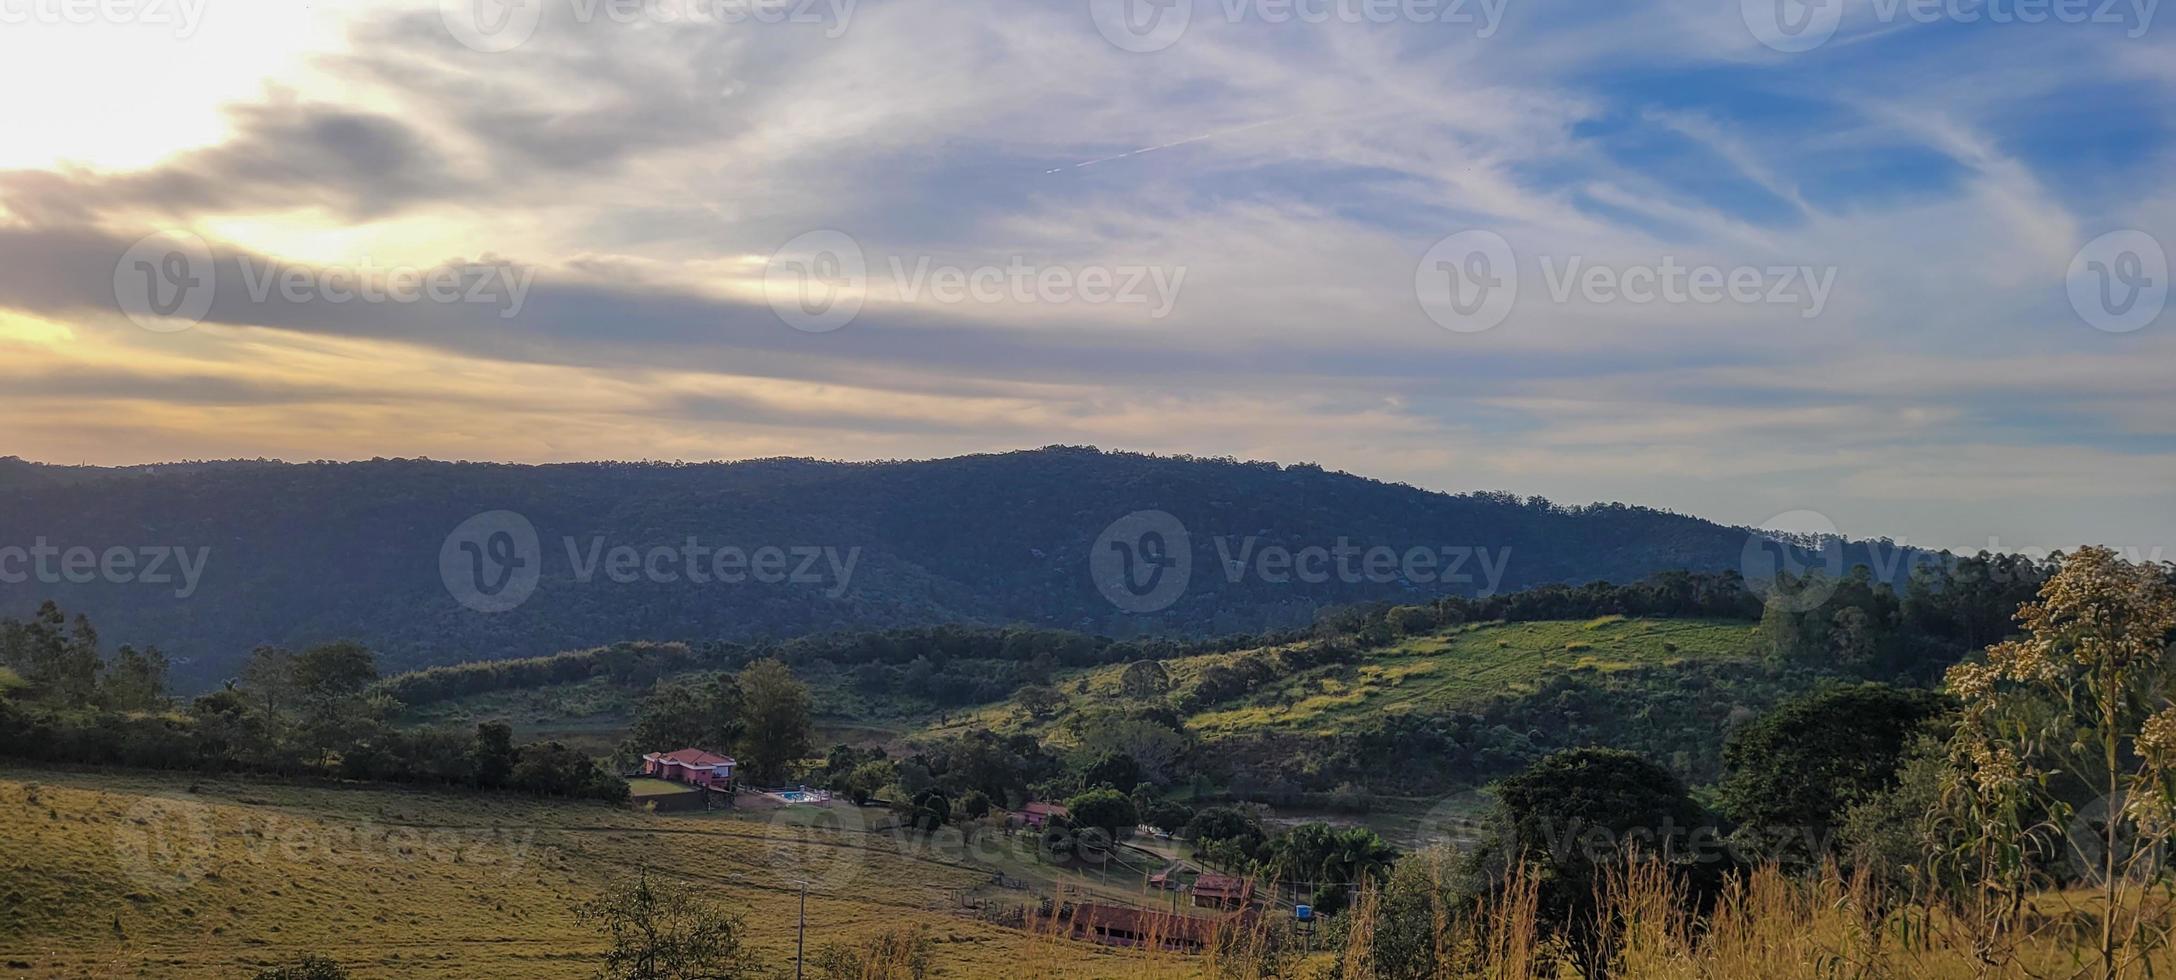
<point>639,788</point>
<point>1457,668</point>
<point>157,875</point>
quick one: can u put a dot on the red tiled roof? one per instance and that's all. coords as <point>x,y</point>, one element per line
<point>1047,809</point>
<point>1219,885</point>
<point>696,757</point>
<point>1139,925</point>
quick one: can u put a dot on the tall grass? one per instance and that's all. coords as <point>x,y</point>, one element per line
<point>1767,925</point>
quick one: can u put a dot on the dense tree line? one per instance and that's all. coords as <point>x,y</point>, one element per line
<point>989,539</point>
<point>920,658</point>
<point>314,712</point>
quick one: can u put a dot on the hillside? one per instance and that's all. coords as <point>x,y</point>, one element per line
<point>186,877</point>
<point>1325,724</point>
<point>1459,669</point>
<point>291,554</point>
<point>1291,720</point>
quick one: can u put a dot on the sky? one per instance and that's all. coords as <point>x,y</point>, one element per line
<point>1884,267</point>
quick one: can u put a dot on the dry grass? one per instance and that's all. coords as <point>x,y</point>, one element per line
<point>136,875</point>
<point>155,876</point>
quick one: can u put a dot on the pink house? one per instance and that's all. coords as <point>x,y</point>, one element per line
<point>693,766</point>
<point>1038,815</point>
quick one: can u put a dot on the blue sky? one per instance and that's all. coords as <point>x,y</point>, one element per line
<point>1231,243</point>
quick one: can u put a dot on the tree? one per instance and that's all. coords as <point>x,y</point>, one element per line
<point>778,729</point>
<point>1330,860</point>
<point>1236,829</point>
<point>870,778</point>
<point>1166,815</point>
<point>1107,810</point>
<point>706,715</point>
<point>2074,716</point>
<point>1576,812</point>
<point>1116,770</point>
<point>661,931</point>
<point>930,810</point>
<point>334,672</point>
<point>269,679</point>
<point>136,681</point>
<point>1144,680</point>
<point>58,659</point>
<point>492,759</point>
<point>1790,774</point>
<point>1411,620</point>
<point>1039,701</point>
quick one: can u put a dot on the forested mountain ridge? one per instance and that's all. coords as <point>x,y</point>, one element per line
<point>292,554</point>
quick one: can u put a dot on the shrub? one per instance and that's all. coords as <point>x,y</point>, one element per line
<point>309,967</point>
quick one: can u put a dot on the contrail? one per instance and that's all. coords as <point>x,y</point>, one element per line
<point>1160,146</point>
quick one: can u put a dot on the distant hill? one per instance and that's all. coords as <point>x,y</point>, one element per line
<point>298,553</point>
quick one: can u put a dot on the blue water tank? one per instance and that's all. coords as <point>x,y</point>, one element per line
<point>1305,913</point>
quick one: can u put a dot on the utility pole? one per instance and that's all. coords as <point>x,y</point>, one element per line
<point>800,932</point>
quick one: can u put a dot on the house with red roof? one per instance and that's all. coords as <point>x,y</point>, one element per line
<point>1132,928</point>
<point>1220,891</point>
<point>693,766</point>
<point>1037,815</point>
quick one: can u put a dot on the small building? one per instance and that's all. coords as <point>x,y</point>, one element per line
<point>1037,815</point>
<point>692,766</point>
<point>1220,892</point>
<point>1131,928</point>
